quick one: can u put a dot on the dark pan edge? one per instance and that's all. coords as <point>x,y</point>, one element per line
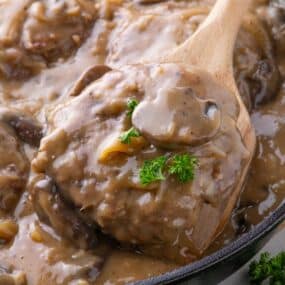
<point>247,239</point>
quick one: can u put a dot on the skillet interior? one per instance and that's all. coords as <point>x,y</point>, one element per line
<point>217,266</point>
<point>37,74</point>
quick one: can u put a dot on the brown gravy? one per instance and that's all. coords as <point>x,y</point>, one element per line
<point>45,46</point>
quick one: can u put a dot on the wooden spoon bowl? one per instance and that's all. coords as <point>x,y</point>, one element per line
<point>211,48</point>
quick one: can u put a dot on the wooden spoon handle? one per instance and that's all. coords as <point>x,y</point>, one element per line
<point>211,46</point>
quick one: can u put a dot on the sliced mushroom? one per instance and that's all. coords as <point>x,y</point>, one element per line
<point>14,168</point>
<point>15,128</point>
<point>177,116</point>
<point>27,129</point>
<point>258,80</point>
<point>91,74</point>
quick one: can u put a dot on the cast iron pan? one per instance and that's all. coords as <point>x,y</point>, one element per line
<point>214,268</point>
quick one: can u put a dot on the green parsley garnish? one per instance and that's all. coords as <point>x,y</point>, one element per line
<point>268,268</point>
<point>126,137</point>
<point>183,166</point>
<point>132,104</point>
<point>152,170</point>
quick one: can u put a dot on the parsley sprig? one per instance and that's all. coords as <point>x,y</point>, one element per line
<point>268,268</point>
<point>152,170</point>
<point>127,136</point>
<point>181,165</point>
<point>131,105</point>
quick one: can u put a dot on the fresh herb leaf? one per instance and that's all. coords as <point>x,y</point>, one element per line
<point>152,170</point>
<point>268,269</point>
<point>183,166</point>
<point>126,137</point>
<point>131,105</point>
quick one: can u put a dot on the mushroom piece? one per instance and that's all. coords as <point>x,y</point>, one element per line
<point>275,17</point>
<point>15,129</point>
<point>26,128</point>
<point>259,80</point>
<point>91,74</point>
<point>177,116</point>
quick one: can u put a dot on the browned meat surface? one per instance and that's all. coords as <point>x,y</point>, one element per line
<point>62,217</point>
<point>33,34</point>
<point>99,175</point>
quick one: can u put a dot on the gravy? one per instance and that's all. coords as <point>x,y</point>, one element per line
<point>45,47</point>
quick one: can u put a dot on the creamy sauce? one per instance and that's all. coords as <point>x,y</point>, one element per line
<point>45,46</point>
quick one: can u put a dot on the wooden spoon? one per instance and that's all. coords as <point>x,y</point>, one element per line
<point>211,48</point>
